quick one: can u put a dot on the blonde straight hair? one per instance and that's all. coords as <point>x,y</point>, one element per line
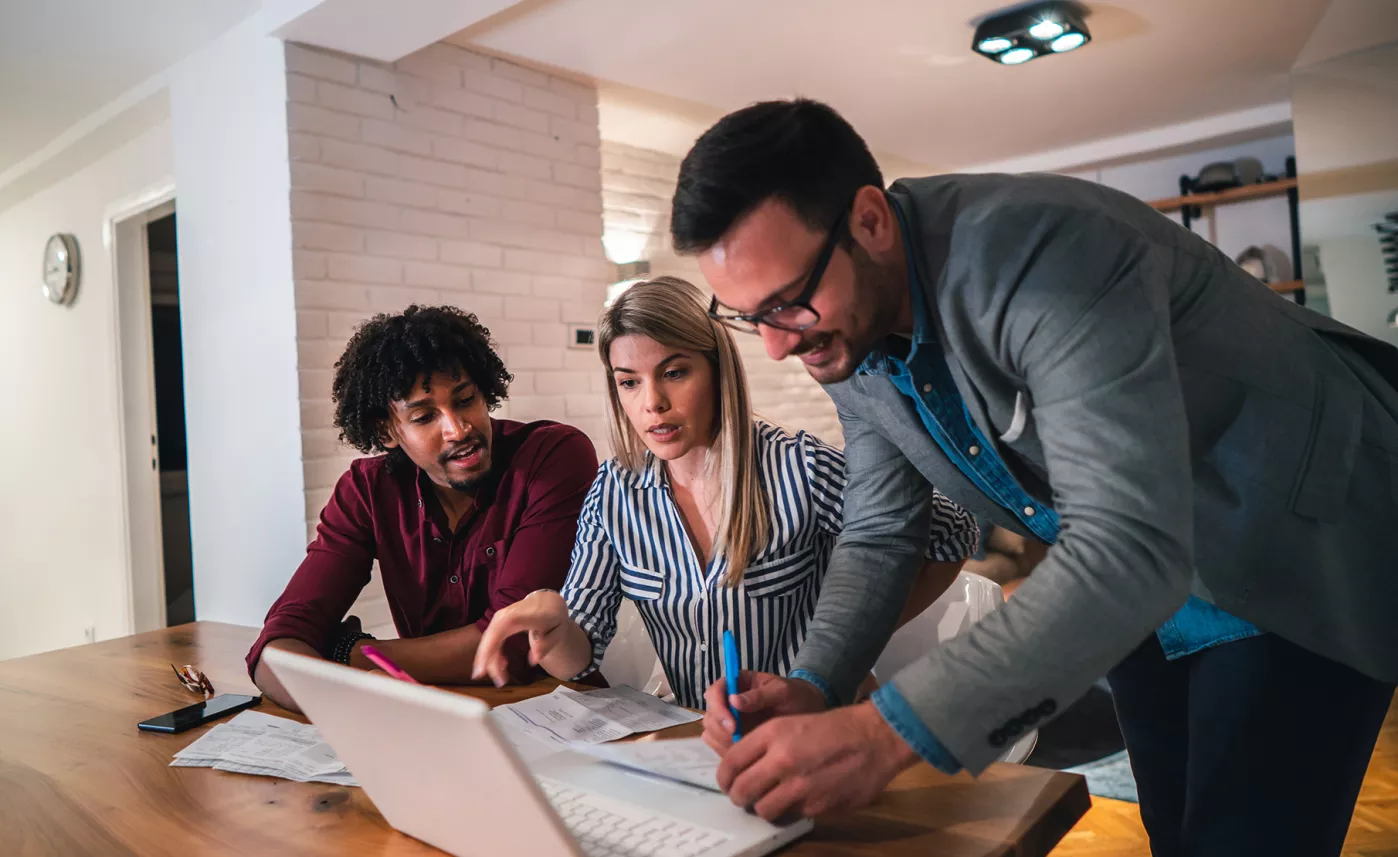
<point>672,312</point>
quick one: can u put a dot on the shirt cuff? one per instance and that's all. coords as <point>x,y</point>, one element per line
<point>831,701</point>
<point>900,715</point>
<point>290,626</point>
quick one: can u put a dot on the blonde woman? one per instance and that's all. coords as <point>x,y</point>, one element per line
<point>707,518</point>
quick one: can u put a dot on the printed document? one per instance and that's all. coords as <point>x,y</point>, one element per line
<point>687,760</point>
<point>546,724</point>
<point>264,745</point>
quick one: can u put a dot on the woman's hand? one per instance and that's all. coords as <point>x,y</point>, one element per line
<point>543,614</point>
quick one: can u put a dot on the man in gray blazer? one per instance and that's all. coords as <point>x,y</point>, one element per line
<point>1215,467</point>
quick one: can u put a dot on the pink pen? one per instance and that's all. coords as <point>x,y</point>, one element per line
<point>378,659</point>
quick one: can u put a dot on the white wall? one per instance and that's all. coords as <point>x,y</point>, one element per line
<point>1346,118</point>
<point>62,535</point>
<point>476,186</point>
<point>239,325</point>
<point>1356,283</point>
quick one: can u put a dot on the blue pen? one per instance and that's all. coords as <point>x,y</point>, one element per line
<point>730,673</point>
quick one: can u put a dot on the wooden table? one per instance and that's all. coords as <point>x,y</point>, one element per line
<point>77,778</point>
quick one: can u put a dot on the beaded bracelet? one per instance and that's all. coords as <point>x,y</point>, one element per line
<point>345,647</point>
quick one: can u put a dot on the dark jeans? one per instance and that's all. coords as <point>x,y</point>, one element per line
<point>1254,747</point>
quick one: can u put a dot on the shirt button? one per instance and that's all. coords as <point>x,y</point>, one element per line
<point>455,579</point>
<point>973,450</point>
<point>703,647</point>
<point>926,388</point>
<point>490,551</point>
<point>1029,511</point>
<point>437,539</point>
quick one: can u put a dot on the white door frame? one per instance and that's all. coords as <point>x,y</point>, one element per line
<point>124,237</point>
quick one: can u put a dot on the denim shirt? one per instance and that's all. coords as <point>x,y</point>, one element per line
<point>924,377</point>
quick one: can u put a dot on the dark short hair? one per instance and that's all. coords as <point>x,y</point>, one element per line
<point>389,353</point>
<point>802,152</point>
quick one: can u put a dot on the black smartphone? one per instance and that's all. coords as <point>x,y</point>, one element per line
<point>199,713</point>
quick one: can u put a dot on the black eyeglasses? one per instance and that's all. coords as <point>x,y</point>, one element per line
<point>797,314</point>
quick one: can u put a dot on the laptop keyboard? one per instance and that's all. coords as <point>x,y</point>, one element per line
<point>605,827</point>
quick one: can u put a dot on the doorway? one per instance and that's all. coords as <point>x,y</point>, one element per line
<point>150,367</point>
<point>171,458</point>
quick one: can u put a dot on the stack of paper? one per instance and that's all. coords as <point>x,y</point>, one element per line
<point>547,724</point>
<point>260,744</point>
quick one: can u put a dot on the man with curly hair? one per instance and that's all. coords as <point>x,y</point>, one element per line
<point>465,514</point>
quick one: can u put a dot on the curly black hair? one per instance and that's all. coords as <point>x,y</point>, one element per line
<point>388,353</point>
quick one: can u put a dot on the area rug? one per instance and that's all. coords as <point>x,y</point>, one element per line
<point>1110,777</point>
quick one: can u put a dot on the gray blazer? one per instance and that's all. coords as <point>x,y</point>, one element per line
<point>1194,431</point>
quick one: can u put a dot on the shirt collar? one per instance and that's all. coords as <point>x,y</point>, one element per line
<point>653,474</point>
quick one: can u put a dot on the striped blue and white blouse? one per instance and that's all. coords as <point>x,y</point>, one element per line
<point>632,543</point>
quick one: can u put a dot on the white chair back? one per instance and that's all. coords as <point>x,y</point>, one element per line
<point>969,598</point>
<point>631,659</point>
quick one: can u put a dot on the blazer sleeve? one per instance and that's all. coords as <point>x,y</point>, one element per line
<point>879,552</point>
<point>1083,325</point>
<point>955,534</point>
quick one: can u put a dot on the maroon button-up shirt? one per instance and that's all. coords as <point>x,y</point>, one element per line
<point>518,538</point>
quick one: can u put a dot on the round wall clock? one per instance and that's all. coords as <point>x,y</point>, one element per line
<point>61,268</point>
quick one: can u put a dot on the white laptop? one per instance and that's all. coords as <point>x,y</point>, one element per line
<point>438,769</point>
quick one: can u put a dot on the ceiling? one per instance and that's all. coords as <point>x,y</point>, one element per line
<point>61,60</point>
<point>902,70</point>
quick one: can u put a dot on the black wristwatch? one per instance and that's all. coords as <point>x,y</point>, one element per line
<point>344,647</point>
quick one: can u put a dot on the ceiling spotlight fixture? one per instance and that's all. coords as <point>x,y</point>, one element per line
<point>1030,31</point>
<point>1067,42</point>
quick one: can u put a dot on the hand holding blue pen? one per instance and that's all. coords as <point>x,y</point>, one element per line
<point>731,669</point>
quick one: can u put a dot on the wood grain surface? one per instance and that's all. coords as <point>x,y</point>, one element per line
<point>78,778</point>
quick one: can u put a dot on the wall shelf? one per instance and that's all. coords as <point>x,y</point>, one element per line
<point>1191,206</point>
<point>1263,190</point>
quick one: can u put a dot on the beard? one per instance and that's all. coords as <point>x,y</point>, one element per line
<point>872,317</point>
<point>468,484</point>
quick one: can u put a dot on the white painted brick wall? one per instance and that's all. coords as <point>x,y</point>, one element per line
<point>449,177</point>
<point>637,187</point>
<point>442,179</point>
